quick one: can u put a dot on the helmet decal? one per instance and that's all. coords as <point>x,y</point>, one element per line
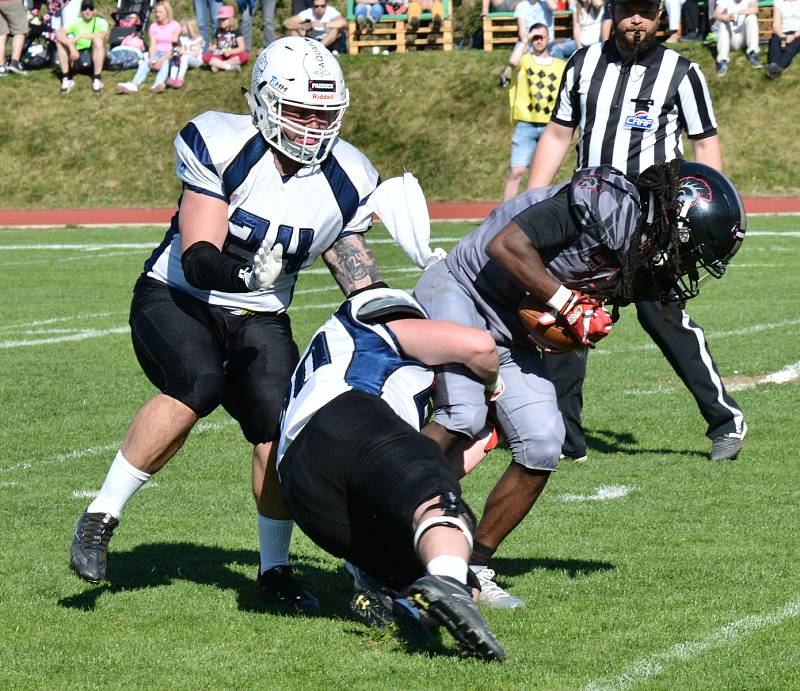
<point>692,191</point>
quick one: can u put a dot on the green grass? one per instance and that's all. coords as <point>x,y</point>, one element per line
<point>440,115</point>
<point>612,586</point>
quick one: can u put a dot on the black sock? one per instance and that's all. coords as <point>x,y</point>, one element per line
<point>481,554</point>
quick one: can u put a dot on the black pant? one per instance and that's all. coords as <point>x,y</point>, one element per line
<point>683,344</point>
<point>782,57</point>
<point>693,22</point>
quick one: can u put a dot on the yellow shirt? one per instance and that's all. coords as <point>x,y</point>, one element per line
<point>533,96</point>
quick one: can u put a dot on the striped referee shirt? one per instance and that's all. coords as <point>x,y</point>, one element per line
<point>632,115</point>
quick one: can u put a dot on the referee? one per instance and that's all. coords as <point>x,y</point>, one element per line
<point>631,99</point>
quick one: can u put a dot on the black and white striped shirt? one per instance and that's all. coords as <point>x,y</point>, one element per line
<point>632,115</point>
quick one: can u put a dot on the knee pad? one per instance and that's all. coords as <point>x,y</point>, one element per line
<point>205,395</point>
<point>455,514</point>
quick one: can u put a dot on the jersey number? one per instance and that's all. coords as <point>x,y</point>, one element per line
<point>320,355</point>
<point>253,231</point>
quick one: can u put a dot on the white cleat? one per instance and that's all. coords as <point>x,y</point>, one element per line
<point>492,595</point>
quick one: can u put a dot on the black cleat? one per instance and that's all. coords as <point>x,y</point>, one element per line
<point>448,602</point>
<point>87,554</point>
<point>279,585</point>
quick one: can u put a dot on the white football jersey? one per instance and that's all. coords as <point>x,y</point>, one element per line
<point>225,156</point>
<point>344,354</point>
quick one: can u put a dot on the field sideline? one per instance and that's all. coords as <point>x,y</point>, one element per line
<point>646,567</point>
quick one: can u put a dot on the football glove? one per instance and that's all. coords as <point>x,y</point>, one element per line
<point>265,269</point>
<point>586,318</point>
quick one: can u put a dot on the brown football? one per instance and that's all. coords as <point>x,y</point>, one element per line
<point>555,336</point>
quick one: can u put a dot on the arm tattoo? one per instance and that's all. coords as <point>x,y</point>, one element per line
<point>351,263</point>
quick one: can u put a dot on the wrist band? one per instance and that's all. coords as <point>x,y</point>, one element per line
<point>559,298</point>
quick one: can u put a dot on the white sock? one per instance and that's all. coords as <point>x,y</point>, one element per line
<point>121,483</point>
<point>447,565</point>
<point>274,537</point>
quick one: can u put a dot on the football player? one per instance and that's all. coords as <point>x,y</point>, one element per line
<point>359,478</point>
<point>600,238</point>
<point>263,196</point>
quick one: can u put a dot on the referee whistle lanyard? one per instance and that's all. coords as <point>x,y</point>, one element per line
<point>627,69</point>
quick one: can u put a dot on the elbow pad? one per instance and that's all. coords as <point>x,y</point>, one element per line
<point>206,268</point>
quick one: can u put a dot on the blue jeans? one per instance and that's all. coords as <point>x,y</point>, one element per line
<point>523,143</point>
<point>144,68</point>
<point>247,10</point>
<point>374,10</point>
<point>206,12</point>
<point>562,48</point>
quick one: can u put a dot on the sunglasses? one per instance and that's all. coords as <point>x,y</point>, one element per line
<point>319,7</point>
<point>538,37</point>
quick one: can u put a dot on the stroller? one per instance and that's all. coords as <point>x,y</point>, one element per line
<point>40,50</point>
<point>129,18</point>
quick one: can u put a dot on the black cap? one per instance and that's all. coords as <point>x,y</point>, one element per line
<point>87,5</point>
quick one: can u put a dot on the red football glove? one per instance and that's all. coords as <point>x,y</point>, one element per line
<point>586,318</point>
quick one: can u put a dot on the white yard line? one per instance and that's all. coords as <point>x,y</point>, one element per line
<point>77,454</point>
<point>729,634</point>
<point>92,493</point>
<point>603,493</point>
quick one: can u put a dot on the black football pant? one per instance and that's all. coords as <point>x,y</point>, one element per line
<point>683,344</point>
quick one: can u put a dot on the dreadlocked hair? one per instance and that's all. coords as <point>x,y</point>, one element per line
<point>662,181</point>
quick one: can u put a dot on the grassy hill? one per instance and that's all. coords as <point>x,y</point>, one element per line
<point>440,115</point>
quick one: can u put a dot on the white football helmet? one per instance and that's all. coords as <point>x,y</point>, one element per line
<point>300,72</point>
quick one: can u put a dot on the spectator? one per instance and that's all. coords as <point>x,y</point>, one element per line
<point>673,8</point>
<point>587,22</point>
<point>247,10</point>
<point>417,7</point>
<point>738,28</point>
<point>783,45</point>
<point>321,22</point>
<point>367,13</point>
<point>395,7</point>
<point>498,6</point>
<point>81,46</point>
<point>693,28</point>
<point>530,12</point>
<point>228,51</point>
<point>205,11</point>
<point>532,100</point>
<point>164,33</point>
<point>14,21</point>
<point>127,54</point>
<point>188,54</point>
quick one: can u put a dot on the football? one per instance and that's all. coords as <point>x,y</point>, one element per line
<point>553,334</point>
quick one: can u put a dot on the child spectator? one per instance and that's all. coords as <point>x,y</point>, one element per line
<point>163,32</point>
<point>227,50</point>
<point>417,7</point>
<point>188,54</point>
<point>784,43</point>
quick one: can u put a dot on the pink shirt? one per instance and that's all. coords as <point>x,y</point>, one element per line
<point>163,34</point>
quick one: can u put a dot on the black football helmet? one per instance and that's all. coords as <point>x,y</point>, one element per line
<point>711,225</point>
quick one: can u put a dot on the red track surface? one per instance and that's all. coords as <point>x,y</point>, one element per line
<point>441,211</point>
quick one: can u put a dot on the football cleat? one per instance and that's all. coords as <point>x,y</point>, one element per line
<point>87,554</point>
<point>279,585</point>
<point>448,602</point>
<point>493,595</point>
<point>727,446</point>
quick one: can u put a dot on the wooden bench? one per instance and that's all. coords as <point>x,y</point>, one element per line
<point>392,32</point>
<point>500,28</point>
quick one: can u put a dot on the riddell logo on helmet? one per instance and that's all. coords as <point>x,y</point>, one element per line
<point>321,85</point>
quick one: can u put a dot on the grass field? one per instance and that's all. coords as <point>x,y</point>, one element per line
<point>648,566</point>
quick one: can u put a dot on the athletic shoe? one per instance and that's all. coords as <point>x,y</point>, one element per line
<point>449,602</point>
<point>16,67</point>
<point>157,88</point>
<point>177,83</point>
<point>773,71</point>
<point>755,63</point>
<point>3,71</point>
<point>233,67</point>
<point>279,585</point>
<point>727,446</point>
<point>437,23</point>
<point>97,85</point>
<point>414,24</point>
<point>87,554</point>
<point>362,23</point>
<point>127,88</point>
<point>493,595</point>
<point>691,36</point>
<point>67,85</point>
<point>722,68</point>
<point>576,459</point>
<point>370,25</point>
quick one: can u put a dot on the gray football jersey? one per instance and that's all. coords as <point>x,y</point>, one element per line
<point>605,205</point>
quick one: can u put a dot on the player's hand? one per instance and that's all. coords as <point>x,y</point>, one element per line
<point>265,269</point>
<point>586,318</point>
